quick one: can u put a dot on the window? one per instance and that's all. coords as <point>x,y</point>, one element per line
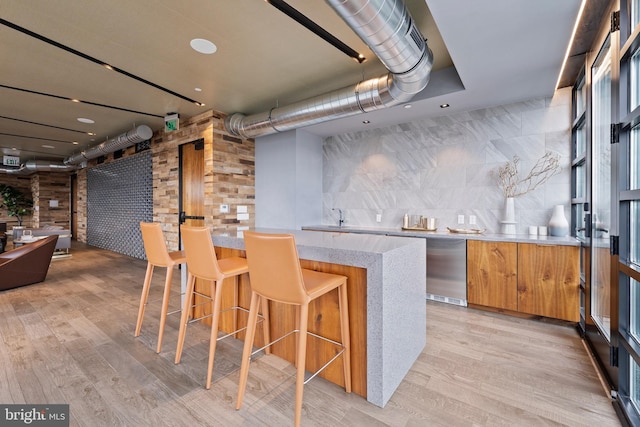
<point>629,208</point>
<point>601,190</point>
<point>634,159</point>
<point>580,100</point>
<point>635,384</point>
<point>635,309</point>
<point>634,87</point>
<point>634,232</point>
<point>578,161</point>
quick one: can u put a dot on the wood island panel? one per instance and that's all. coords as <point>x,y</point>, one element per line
<point>323,320</point>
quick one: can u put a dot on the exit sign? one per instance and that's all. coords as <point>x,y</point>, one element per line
<point>11,161</point>
<point>171,122</point>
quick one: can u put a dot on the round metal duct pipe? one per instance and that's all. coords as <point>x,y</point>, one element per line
<point>139,134</point>
<point>33,166</point>
<point>387,28</point>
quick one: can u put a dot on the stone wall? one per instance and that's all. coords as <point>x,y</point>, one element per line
<point>48,186</point>
<point>229,175</point>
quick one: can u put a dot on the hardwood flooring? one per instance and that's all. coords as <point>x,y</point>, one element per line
<point>70,340</point>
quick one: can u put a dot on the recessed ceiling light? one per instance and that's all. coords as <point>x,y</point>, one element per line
<point>90,133</point>
<point>203,46</point>
<point>83,120</point>
<point>444,105</point>
<point>407,106</point>
<point>75,100</point>
<point>48,146</point>
<point>198,89</point>
<point>366,122</point>
<point>14,148</point>
<point>75,142</point>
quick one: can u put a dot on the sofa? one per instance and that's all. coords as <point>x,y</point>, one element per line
<point>3,236</point>
<point>26,264</point>
<point>64,236</point>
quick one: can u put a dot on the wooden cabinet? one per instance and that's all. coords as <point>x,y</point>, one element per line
<point>492,272</point>
<point>549,280</point>
<point>528,278</point>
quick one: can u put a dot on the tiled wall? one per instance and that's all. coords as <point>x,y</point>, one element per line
<point>119,197</point>
<point>440,167</point>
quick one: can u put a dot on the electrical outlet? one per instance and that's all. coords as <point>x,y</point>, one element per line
<point>472,219</point>
<point>460,219</point>
<point>378,217</point>
<point>224,208</point>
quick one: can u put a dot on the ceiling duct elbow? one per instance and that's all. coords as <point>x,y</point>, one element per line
<point>138,134</point>
<point>388,30</point>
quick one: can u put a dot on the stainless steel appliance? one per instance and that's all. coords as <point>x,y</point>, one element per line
<point>447,270</point>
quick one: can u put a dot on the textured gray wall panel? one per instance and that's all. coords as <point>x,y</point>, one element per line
<point>119,196</point>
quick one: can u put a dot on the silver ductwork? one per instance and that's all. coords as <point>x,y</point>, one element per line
<point>33,166</point>
<point>387,28</point>
<point>139,134</point>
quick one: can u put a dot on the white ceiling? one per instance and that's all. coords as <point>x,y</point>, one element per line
<point>487,52</point>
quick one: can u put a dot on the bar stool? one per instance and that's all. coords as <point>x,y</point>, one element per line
<point>275,274</point>
<point>202,263</point>
<point>157,256</point>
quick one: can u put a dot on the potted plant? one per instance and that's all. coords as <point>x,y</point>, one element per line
<point>16,202</point>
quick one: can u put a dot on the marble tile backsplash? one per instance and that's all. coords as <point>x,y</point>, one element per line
<point>441,167</point>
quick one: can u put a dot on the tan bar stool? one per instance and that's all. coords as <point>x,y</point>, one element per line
<point>202,263</point>
<point>157,256</point>
<point>275,274</point>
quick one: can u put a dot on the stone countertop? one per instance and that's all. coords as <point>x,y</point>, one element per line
<point>396,282</point>
<point>517,238</point>
<point>354,249</point>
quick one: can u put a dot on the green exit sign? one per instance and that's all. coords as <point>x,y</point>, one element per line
<point>11,161</point>
<point>171,122</point>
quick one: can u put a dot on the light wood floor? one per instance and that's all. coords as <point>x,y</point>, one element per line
<point>70,340</point>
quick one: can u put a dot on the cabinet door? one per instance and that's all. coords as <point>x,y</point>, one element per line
<point>548,281</point>
<point>492,274</point>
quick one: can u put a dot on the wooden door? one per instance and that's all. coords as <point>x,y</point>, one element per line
<point>492,270</point>
<point>192,206</point>
<point>192,183</point>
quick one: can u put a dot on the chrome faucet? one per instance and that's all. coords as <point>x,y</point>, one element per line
<point>341,217</point>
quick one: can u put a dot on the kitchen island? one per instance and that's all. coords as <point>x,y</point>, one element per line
<point>387,308</point>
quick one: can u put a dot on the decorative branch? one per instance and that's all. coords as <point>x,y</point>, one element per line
<point>509,181</point>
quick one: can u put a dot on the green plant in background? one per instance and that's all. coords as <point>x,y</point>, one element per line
<point>15,201</point>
